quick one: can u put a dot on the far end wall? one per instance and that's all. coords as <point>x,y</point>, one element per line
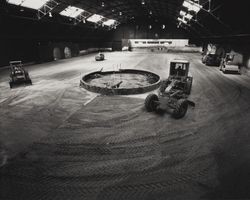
<point>133,32</point>
<point>158,42</point>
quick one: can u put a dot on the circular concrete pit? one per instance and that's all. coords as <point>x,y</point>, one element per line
<point>122,82</point>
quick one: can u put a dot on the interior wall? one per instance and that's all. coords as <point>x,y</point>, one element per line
<point>118,38</point>
<point>142,31</point>
<point>15,49</point>
<point>33,41</point>
<point>56,51</point>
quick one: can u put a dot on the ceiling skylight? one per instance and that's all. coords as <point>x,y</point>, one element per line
<point>71,11</point>
<point>109,22</point>
<point>15,2</point>
<point>95,18</point>
<point>188,16</point>
<point>34,4</point>
<point>182,20</point>
<point>192,6</point>
<point>182,13</point>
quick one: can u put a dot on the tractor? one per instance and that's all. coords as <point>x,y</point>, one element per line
<point>173,92</point>
<point>18,74</point>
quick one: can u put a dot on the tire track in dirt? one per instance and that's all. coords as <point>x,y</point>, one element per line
<point>129,153</point>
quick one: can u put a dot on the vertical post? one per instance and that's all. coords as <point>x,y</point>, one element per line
<point>209,5</point>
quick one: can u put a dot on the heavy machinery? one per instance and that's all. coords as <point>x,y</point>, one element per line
<point>229,64</point>
<point>99,57</point>
<point>211,59</point>
<point>18,74</point>
<point>173,92</point>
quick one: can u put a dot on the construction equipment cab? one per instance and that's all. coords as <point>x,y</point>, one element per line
<point>230,65</point>
<point>179,69</point>
<point>178,76</point>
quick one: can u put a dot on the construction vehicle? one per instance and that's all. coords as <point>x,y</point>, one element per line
<point>211,59</point>
<point>229,64</point>
<point>18,74</point>
<point>173,92</point>
<point>99,57</point>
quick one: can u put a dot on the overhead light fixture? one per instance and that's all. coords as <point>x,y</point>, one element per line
<point>50,14</point>
<point>150,26</point>
<point>150,12</point>
<point>143,2</point>
<point>103,4</point>
<point>163,26</point>
<point>120,13</point>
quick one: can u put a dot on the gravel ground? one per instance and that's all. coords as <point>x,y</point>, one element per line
<point>59,141</point>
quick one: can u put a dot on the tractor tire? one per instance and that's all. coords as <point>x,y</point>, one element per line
<point>189,86</point>
<point>151,102</point>
<point>29,82</point>
<point>180,109</point>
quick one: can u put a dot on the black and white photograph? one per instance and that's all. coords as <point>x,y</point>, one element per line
<point>124,100</point>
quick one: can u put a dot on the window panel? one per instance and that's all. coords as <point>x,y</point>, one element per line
<point>34,4</point>
<point>95,18</point>
<point>109,22</point>
<point>71,11</point>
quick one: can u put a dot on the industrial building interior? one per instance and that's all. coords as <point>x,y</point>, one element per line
<point>93,106</point>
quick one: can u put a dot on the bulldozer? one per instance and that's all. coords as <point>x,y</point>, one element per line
<point>173,92</point>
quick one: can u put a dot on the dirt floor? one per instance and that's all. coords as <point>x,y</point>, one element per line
<point>61,142</point>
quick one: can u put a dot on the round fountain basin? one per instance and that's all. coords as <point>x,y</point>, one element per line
<point>122,82</point>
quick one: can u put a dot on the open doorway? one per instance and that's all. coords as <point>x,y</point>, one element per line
<point>67,52</point>
<point>57,53</point>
